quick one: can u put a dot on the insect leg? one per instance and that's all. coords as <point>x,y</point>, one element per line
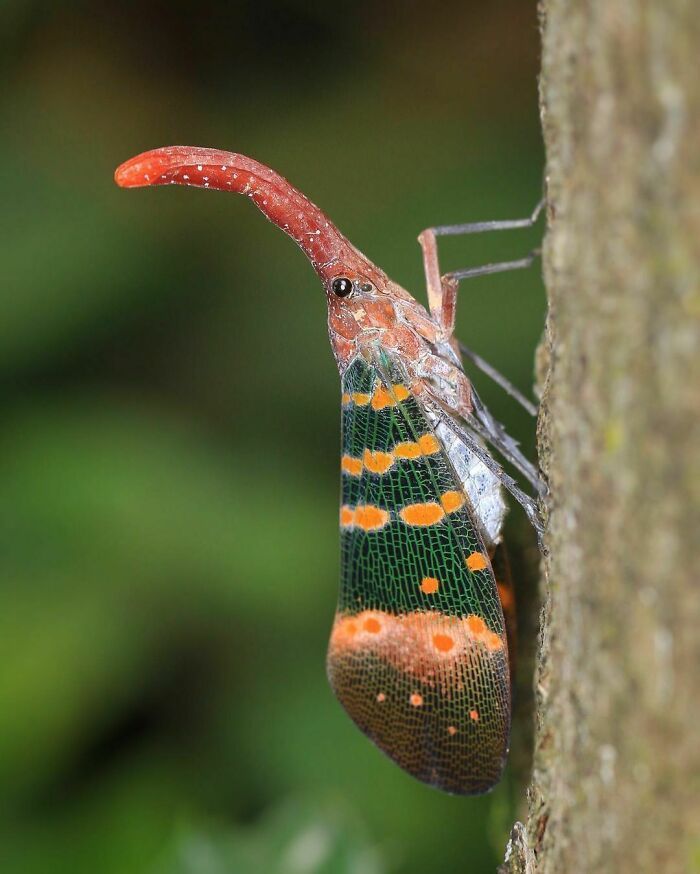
<point>497,377</point>
<point>442,290</point>
<point>482,227</point>
<point>499,438</point>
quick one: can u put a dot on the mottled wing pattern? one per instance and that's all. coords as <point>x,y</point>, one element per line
<point>418,654</point>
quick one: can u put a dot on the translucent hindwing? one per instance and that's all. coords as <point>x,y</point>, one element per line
<point>418,654</point>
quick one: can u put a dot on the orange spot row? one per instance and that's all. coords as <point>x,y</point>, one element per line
<point>381,462</point>
<point>428,444</point>
<point>431,512</point>
<point>366,516</point>
<point>380,398</point>
<point>416,640</point>
<point>377,462</point>
<point>383,398</point>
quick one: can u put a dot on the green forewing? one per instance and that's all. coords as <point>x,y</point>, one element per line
<point>418,654</point>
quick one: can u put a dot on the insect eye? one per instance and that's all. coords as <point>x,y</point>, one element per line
<point>341,286</point>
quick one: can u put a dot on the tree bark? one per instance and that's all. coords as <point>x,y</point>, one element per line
<point>616,783</point>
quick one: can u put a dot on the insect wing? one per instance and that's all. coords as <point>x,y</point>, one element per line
<point>418,654</point>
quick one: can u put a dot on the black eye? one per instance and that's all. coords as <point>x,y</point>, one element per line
<point>341,286</point>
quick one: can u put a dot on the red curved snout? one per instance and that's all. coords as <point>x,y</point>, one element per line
<point>327,249</point>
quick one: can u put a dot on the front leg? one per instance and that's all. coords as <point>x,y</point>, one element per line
<point>442,290</point>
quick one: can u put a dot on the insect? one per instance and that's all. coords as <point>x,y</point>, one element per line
<point>418,652</point>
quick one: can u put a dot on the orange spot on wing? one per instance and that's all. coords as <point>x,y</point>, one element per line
<point>345,400</point>
<point>378,462</point>
<point>407,450</point>
<point>381,697</point>
<point>474,715</point>
<point>416,699</point>
<point>383,398</point>
<point>351,465</point>
<point>429,585</point>
<point>451,730</point>
<point>476,624</point>
<point>367,516</point>
<point>452,501</point>
<point>429,444</point>
<point>422,514</point>
<point>347,630</point>
<point>372,625</point>
<point>370,518</point>
<point>360,399</point>
<point>493,641</point>
<point>477,561</point>
<point>443,642</point>
<point>428,649</point>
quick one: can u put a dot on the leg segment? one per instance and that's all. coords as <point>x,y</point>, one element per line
<point>499,438</point>
<point>498,378</point>
<point>442,290</point>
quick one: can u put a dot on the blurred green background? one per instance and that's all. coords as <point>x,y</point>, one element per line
<point>171,412</point>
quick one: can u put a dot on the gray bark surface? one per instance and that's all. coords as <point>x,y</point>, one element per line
<point>616,783</point>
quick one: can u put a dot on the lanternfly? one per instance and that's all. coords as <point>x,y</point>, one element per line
<point>418,653</point>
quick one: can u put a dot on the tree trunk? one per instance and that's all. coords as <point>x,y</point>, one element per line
<point>616,785</point>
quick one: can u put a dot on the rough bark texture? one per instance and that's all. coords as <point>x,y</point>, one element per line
<point>616,786</point>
